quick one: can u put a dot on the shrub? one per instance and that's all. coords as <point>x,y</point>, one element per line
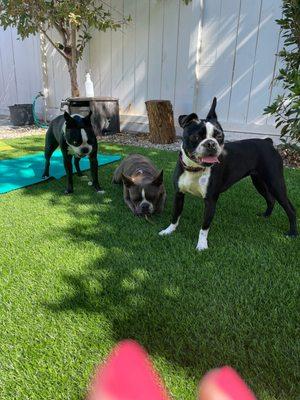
<point>286,107</point>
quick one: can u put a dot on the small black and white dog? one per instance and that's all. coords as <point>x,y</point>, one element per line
<point>75,136</point>
<point>207,167</point>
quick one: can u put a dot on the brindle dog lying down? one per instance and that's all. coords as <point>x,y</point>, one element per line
<point>143,188</point>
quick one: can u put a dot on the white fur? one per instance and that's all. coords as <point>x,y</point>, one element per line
<point>84,137</point>
<point>170,229</point>
<point>202,240</point>
<point>195,183</point>
<point>200,150</point>
<point>209,130</point>
<point>145,201</point>
<point>201,147</point>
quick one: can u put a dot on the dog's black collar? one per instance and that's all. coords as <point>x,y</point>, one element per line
<point>187,168</point>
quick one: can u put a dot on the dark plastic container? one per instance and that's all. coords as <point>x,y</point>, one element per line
<point>21,114</point>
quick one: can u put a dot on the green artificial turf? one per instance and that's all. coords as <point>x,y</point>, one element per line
<point>79,273</point>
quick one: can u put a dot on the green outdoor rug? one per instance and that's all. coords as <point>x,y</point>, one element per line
<point>16,173</point>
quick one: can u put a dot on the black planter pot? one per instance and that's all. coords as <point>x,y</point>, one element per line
<point>21,114</point>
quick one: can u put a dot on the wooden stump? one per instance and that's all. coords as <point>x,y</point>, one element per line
<point>161,121</point>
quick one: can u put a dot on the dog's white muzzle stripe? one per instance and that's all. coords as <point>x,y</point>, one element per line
<point>145,201</point>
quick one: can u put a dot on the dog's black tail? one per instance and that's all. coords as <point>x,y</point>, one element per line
<point>269,140</point>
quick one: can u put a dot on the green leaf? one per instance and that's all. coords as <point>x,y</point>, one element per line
<point>284,130</point>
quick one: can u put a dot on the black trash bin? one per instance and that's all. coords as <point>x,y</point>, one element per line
<point>21,114</point>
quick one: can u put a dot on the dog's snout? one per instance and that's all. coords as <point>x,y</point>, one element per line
<point>84,150</point>
<point>145,207</point>
<point>211,145</point>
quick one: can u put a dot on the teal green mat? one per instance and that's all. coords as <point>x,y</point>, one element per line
<point>16,173</point>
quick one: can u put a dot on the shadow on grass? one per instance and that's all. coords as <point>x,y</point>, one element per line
<point>195,312</point>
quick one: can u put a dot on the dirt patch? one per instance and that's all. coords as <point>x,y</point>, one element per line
<point>8,131</point>
<point>140,140</point>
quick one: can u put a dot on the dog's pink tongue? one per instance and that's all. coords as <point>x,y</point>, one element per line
<point>210,159</point>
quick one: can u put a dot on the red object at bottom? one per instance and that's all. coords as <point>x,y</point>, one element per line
<point>231,384</point>
<point>127,375</point>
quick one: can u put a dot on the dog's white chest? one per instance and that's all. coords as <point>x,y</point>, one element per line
<point>195,183</point>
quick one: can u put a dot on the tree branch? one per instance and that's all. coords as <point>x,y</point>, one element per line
<point>63,33</point>
<point>112,8</point>
<point>55,46</point>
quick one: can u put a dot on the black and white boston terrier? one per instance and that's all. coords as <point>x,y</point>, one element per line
<point>75,136</point>
<point>143,188</point>
<point>207,167</point>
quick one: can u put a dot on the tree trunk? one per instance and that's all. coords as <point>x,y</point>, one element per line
<point>72,65</point>
<point>161,121</point>
<point>73,77</point>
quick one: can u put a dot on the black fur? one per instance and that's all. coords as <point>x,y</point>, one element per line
<point>64,131</point>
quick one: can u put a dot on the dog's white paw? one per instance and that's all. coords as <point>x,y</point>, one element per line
<point>100,191</point>
<point>202,241</point>
<point>170,229</point>
<point>202,246</point>
<point>84,177</point>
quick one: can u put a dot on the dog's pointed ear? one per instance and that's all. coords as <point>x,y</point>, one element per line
<point>184,120</point>
<point>128,182</point>
<point>69,120</point>
<point>212,112</point>
<point>158,180</point>
<point>87,119</point>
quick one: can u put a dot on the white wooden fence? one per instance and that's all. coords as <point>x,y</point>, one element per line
<point>187,54</point>
<point>20,69</point>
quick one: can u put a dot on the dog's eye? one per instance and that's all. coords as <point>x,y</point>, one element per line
<point>194,138</point>
<point>136,199</point>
